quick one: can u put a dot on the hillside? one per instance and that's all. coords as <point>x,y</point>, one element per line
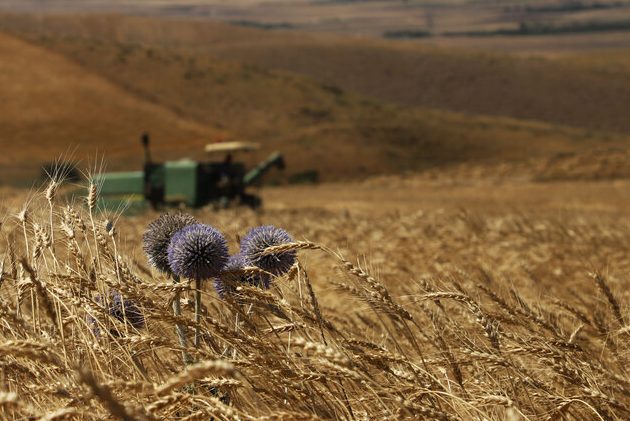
<point>52,107</point>
<point>317,126</point>
<point>556,91</point>
<point>461,81</point>
<point>187,96</point>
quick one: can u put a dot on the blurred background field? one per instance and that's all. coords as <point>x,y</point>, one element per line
<point>321,94</point>
<point>447,146</point>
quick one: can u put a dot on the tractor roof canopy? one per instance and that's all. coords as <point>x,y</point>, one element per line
<point>231,147</point>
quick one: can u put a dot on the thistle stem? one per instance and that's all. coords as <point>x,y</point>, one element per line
<point>179,329</point>
<point>197,312</point>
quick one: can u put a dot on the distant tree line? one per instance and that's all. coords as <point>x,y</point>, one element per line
<point>262,25</point>
<point>569,6</point>
<point>538,28</point>
<point>406,33</point>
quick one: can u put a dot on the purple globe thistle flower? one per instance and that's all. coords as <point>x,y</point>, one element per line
<point>122,309</point>
<point>197,252</point>
<point>157,238</point>
<point>222,284</point>
<point>234,263</point>
<point>125,310</point>
<point>258,239</point>
<point>226,283</point>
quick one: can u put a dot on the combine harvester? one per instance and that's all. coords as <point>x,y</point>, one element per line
<point>186,182</point>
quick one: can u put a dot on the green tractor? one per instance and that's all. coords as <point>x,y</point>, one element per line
<point>186,182</point>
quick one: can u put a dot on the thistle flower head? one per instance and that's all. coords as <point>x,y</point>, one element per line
<point>122,309</point>
<point>197,252</point>
<point>235,263</point>
<point>222,284</point>
<point>157,238</point>
<point>225,284</point>
<point>126,311</point>
<point>258,239</point>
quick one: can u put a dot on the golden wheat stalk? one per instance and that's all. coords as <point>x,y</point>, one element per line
<point>195,372</point>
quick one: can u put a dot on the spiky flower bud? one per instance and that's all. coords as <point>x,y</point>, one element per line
<point>157,238</point>
<point>126,311</point>
<point>197,252</point>
<point>229,279</point>
<point>122,309</point>
<point>258,239</point>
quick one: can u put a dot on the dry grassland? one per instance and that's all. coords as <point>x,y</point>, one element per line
<point>584,93</point>
<point>477,301</point>
<point>44,93</point>
<point>140,74</point>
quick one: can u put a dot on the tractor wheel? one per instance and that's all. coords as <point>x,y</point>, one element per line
<point>251,200</point>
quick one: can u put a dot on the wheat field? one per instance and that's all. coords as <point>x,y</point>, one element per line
<point>426,312</point>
